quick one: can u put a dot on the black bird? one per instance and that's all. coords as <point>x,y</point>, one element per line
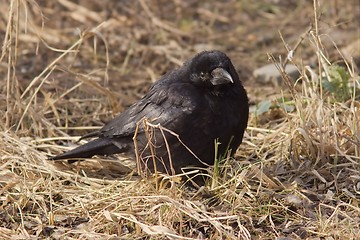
<point>188,110</point>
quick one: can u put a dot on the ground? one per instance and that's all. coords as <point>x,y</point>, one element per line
<point>70,66</point>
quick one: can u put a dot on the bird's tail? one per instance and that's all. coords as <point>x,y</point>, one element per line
<point>100,146</point>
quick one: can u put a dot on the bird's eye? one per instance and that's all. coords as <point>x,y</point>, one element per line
<point>202,75</point>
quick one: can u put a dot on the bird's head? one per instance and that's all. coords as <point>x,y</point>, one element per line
<point>212,69</point>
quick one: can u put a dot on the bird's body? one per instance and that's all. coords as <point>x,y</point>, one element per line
<point>188,109</point>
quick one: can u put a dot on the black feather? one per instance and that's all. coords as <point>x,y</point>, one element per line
<point>201,102</point>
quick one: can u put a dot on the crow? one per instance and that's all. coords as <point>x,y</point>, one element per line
<point>187,117</point>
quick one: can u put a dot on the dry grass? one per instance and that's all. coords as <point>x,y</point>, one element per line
<point>69,66</point>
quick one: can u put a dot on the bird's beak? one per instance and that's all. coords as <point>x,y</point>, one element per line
<point>220,76</point>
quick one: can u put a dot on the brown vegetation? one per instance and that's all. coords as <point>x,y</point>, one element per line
<point>67,67</point>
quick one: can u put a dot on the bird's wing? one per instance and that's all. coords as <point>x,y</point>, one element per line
<point>167,104</point>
